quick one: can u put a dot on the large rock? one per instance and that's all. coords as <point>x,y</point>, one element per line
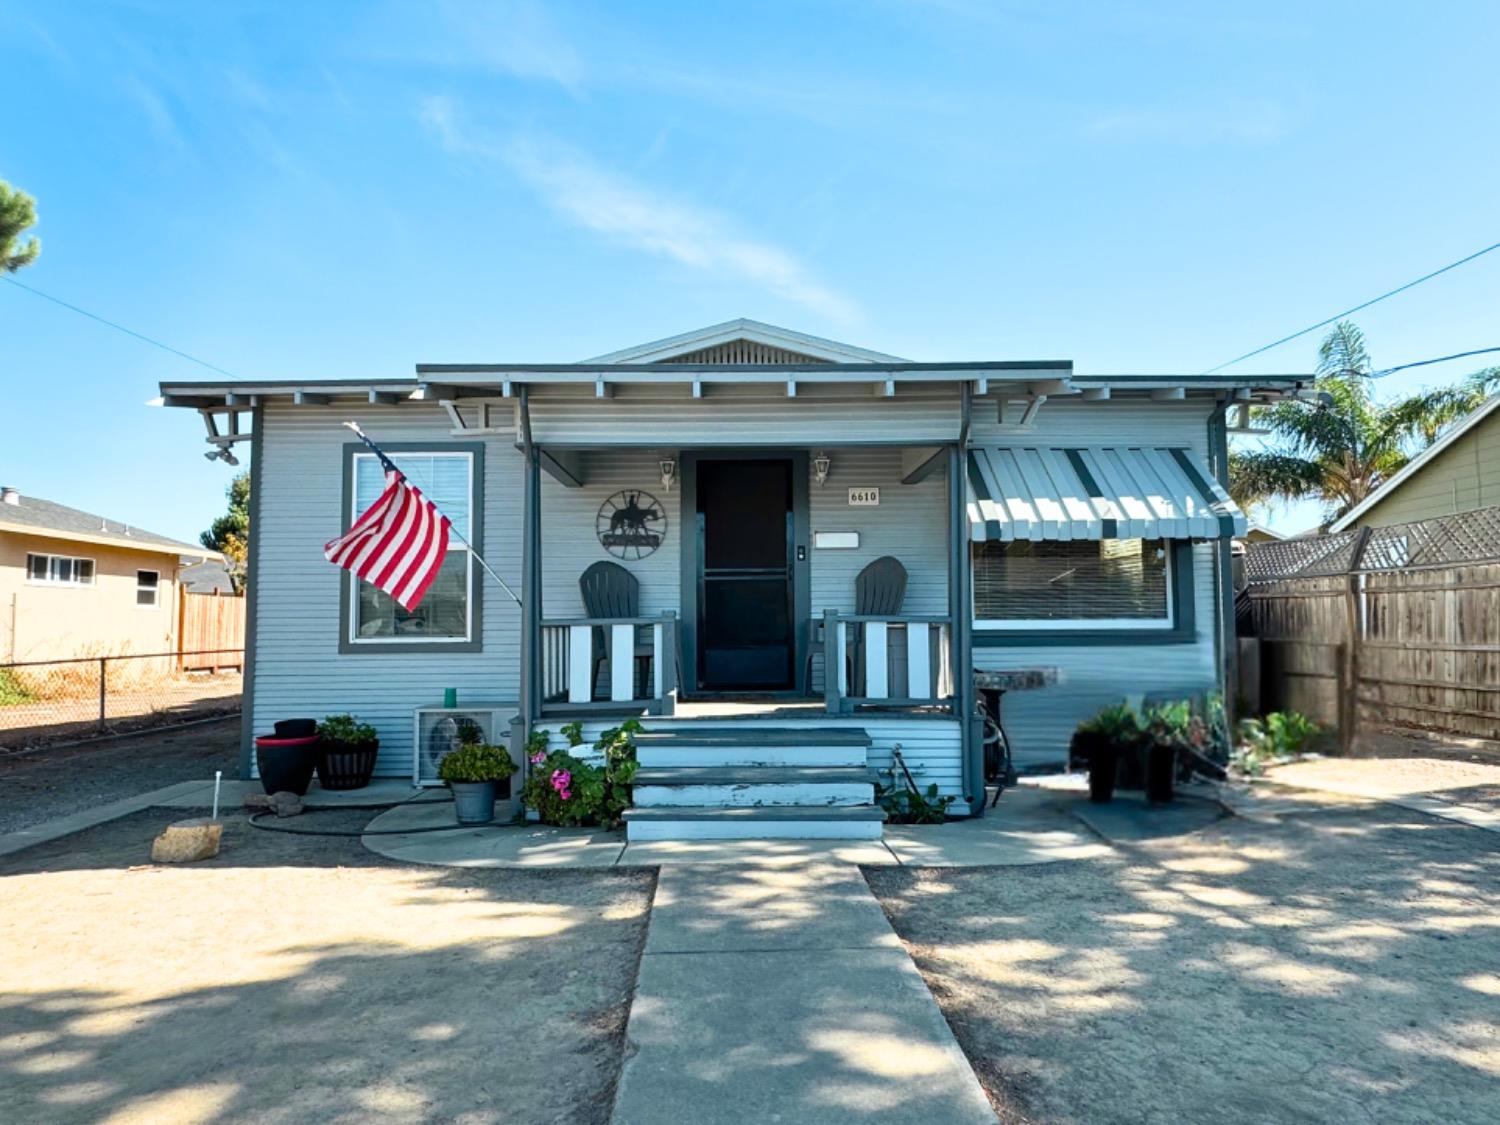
<point>286,803</point>
<point>188,840</point>
<point>283,803</point>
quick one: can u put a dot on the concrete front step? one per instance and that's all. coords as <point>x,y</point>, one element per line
<point>755,746</point>
<point>750,786</point>
<point>699,822</point>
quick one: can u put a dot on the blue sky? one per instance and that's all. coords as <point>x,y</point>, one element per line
<point>347,189</point>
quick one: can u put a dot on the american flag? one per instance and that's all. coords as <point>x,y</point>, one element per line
<point>398,544</point>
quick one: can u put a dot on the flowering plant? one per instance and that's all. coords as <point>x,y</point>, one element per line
<point>565,789</point>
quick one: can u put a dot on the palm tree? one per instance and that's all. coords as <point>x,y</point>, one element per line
<point>1344,447</point>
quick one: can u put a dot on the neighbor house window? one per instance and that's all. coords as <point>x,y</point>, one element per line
<point>147,589</point>
<point>447,479</point>
<point>59,570</point>
<point>1093,584</point>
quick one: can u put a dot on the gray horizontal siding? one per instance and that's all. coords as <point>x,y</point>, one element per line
<point>743,415</point>
<point>570,542</point>
<point>299,671</point>
<point>1071,421</point>
<point>1094,675</point>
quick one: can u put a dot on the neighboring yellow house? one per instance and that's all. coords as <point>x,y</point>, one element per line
<point>1457,473</point>
<point>76,584</point>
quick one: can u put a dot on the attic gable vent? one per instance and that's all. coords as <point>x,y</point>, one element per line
<point>743,351</point>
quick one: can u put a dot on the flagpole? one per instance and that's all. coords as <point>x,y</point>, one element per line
<point>452,529</point>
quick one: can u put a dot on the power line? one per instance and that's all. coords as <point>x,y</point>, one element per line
<point>1355,309</point>
<point>122,328</point>
<point>1428,362</point>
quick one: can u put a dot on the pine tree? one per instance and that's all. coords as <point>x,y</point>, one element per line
<point>17,213</point>
<point>229,534</point>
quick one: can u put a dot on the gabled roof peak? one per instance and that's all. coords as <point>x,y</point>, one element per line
<point>778,345</point>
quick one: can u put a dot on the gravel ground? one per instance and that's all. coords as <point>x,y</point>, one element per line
<point>298,979</point>
<point>47,784</point>
<point>1344,966</point>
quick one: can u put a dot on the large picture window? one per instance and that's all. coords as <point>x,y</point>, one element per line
<point>445,614</point>
<point>1080,584</point>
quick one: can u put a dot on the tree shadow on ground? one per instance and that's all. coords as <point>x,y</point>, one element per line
<point>293,981</point>
<point>1341,966</point>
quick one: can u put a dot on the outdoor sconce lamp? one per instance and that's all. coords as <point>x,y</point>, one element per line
<point>668,471</point>
<point>822,463</point>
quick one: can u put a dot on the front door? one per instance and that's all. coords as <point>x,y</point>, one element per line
<point>746,621</point>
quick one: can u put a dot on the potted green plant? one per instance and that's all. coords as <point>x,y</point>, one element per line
<point>1099,744</point>
<point>346,752</point>
<point>474,772</point>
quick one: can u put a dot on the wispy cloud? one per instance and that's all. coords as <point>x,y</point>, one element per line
<point>514,37</point>
<point>1257,121</point>
<point>633,215</point>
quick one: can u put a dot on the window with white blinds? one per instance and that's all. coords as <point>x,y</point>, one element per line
<point>1099,583</point>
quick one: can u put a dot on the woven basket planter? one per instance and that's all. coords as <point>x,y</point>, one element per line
<point>343,765</point>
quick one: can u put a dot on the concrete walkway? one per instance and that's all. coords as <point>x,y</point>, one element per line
<point>773,992</point>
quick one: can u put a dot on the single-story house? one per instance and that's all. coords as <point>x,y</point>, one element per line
<point>1457,473</point>
<point>740,481</point>
<point>74,584</point>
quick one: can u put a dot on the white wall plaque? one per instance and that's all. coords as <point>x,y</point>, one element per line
<point>864,498</point>
<point>836,540</point>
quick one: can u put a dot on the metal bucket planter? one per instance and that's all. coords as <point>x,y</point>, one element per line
<point>346,765</point>
<point>473,801</point>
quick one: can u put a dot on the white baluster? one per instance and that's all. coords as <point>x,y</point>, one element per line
<point>877,663</point>
<point>621,663</point>
<point>580,663</point>
<point>918,660</point>
<point>656,661</point>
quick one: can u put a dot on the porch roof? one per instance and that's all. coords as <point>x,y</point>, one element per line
<point>1096,492</point>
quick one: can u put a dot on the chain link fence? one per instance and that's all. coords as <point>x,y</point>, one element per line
<point>48,700</point>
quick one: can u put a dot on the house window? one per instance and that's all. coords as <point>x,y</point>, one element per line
<point>147,589</point>
<point>59,570</point>
<point>447,479</point>
<point>1079,584</point>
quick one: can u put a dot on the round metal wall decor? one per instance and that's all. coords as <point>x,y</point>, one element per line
<point>631,524</point>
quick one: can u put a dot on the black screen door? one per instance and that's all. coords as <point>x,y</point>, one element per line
<point>745,636</point>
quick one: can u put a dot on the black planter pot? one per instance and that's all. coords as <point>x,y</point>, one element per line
<point>346,765</point>
<point>286,764</point>
<point>1161,772</point>
<point>296,728</point>
<point>1103,766</point>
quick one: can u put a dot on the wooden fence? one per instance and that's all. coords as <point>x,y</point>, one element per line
<point>1399,638</point>
<point>210,631</point>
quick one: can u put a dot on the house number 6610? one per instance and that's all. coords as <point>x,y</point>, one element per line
<point>864,497</point>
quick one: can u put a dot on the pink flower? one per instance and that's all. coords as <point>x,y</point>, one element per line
<point>539,757</point>
<point>561,779</point>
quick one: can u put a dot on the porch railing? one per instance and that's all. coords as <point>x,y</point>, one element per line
<point>899,661</point>
<point>607,663</point>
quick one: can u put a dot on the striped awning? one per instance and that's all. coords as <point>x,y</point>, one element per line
<point>1096,492</point>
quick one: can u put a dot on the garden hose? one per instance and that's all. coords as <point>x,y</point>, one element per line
<point>257,818</point>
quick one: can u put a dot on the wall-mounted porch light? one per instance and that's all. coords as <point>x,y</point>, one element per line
<point>822,464</point>
<point>668,471</point>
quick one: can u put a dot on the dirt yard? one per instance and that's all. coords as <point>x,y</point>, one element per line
<point>306,979</point>
<point>53,782</point>
<point>1463,782</point>
<point>1343,966</point>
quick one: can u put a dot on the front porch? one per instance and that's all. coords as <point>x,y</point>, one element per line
<point>786,650</point>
